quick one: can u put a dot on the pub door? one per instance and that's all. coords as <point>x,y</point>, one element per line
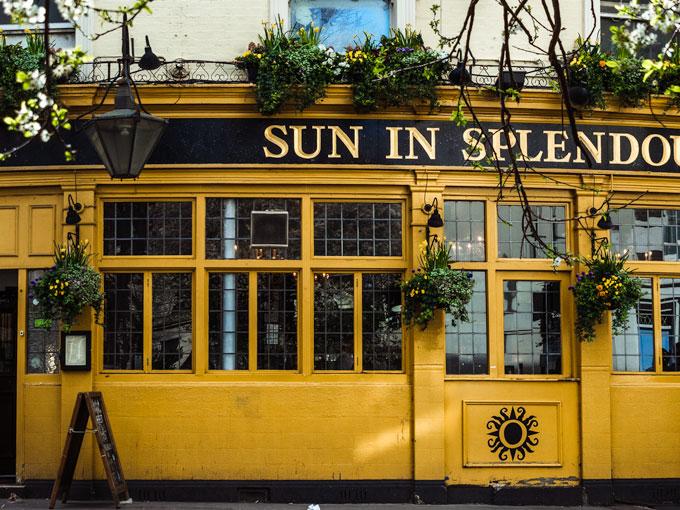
<point>8,373</point>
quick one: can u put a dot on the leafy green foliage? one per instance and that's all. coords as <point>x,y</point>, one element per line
<point>435,285</point>
<point>17,58</point>
<point>293,66</point>
<point>67,287</point>
<point>606,286</point>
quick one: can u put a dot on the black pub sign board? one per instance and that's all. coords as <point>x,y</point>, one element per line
<point>385,143</point>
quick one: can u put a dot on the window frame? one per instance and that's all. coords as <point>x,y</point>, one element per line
<point>499,269</point>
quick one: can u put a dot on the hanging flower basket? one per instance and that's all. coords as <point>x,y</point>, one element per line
<point>606,287</point>
<point>63,291</point>
<point>434,285</point>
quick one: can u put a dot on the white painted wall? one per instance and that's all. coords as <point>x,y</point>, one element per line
<point>222,29</point>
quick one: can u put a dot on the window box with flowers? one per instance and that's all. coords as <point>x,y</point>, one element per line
<point>434,285</point>
<point>606,287</point>
<point>63,291</point>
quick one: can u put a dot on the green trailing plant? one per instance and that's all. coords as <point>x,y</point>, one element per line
<point>399,70</point>
<point>63,291</point>
<point>434,285</point>
<point>605,286</point>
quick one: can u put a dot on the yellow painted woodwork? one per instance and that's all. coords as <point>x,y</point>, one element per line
<point>419,423</point>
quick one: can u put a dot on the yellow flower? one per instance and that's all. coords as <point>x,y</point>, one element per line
<point>616,293</point>
<point>311,24</point>
<point>608,304</point>
<point>57,281</point>
<point>422,291</point>
<point>66,283</point>
<point>602,63</point>
<point>425,277</point>
<point>599,287</point>
<point>259,55</point>
<point>603,293</point>
<point>316,29</point>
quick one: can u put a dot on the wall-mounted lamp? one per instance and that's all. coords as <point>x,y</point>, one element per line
<point>73,218</point>
<point>604,223</point>
<point>435,219</point>
<point>124,138</point>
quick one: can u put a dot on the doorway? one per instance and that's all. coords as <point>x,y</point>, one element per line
<point>8,372</point>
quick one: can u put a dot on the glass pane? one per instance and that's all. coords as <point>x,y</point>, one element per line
<point>277,321</point>
<point>333,321</point>
<point>124,321</point>
<point>350,229</point>
<point>171,338</point>
<point>147,228</point>
<point>633,349</point>
<point>227,225</point>
<point>466,342</point>
<point>531,326</point>
<point>342,20</point>
<point>381,321</point>
<point>670,321</point>
<point>42,347</point>
<point>464,227</point>
<point>511,241</point>
<point>647,234</point>
<point>228,321</point>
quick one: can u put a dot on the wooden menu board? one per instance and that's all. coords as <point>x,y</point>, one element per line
<point>89,406</point>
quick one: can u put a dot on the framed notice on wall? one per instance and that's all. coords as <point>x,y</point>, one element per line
<point>76,348</point>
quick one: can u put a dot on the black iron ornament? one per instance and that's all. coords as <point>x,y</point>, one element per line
<point>512,433</point>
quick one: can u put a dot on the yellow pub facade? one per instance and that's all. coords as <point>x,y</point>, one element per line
<point>235,368</point>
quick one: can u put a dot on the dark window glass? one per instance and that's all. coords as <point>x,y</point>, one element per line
<point>647,234</point>
<point>511,242</point>
<point>333,321</point>
<point>227,228</point>
<point>171,339</point>
<point>350,229</point>
<point>670,324</point>
<point>277,321</point>
<point>381,321</point>
<point>147,228</point>
<point>633,349</point>
<point>466,342</point>
<point>531,326</point>
<point>464,228</point>
<point>124,321</point>
<point>228,321</point>
<point>42,347</point>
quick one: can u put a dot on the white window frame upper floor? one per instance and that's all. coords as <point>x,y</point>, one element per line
<point>402,13</point>
<point>15,33</point>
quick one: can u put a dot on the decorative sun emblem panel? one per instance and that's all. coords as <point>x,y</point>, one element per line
<point>512,433</point>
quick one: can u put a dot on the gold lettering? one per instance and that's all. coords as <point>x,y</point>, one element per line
<point>279,142</point>
<point>664,144</point>
<point>429,148</point>
<point>595,152</point>
<point>616,148</point>
<point>524,146</point>
<point>676,149</point>
<point>394,143</point>
<point>551,156</point>
<point>475,150</point>
<point>338,133</point>
<point>497,143</point>
<point>297,141</point>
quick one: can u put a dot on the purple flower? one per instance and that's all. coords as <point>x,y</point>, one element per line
<point>571,287</point>
<point>607,273</point>
<point>580,278</point>
<point>469,275</point>
<point>413,270</point>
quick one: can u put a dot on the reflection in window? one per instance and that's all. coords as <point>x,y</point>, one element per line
<point>277,321</point>
<point>227,228</point>
<point>670,324</point>
<point>350,229</point>
<point>647,234</point>
<point>464,227</point>
<point>333,321</point>
<point>42,347</point>
<point>147,228</point>
<point>171,339</point>
<point>466,342</point>
<point>531,325</point>
<point>381,321</point>
<point>511,242</point>
<point>633,349</point>
<point>124,321</point>
<point>228,321</point>
<point>342,20</point>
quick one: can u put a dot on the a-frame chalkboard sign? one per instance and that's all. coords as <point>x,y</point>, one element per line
<point>90,406</point>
